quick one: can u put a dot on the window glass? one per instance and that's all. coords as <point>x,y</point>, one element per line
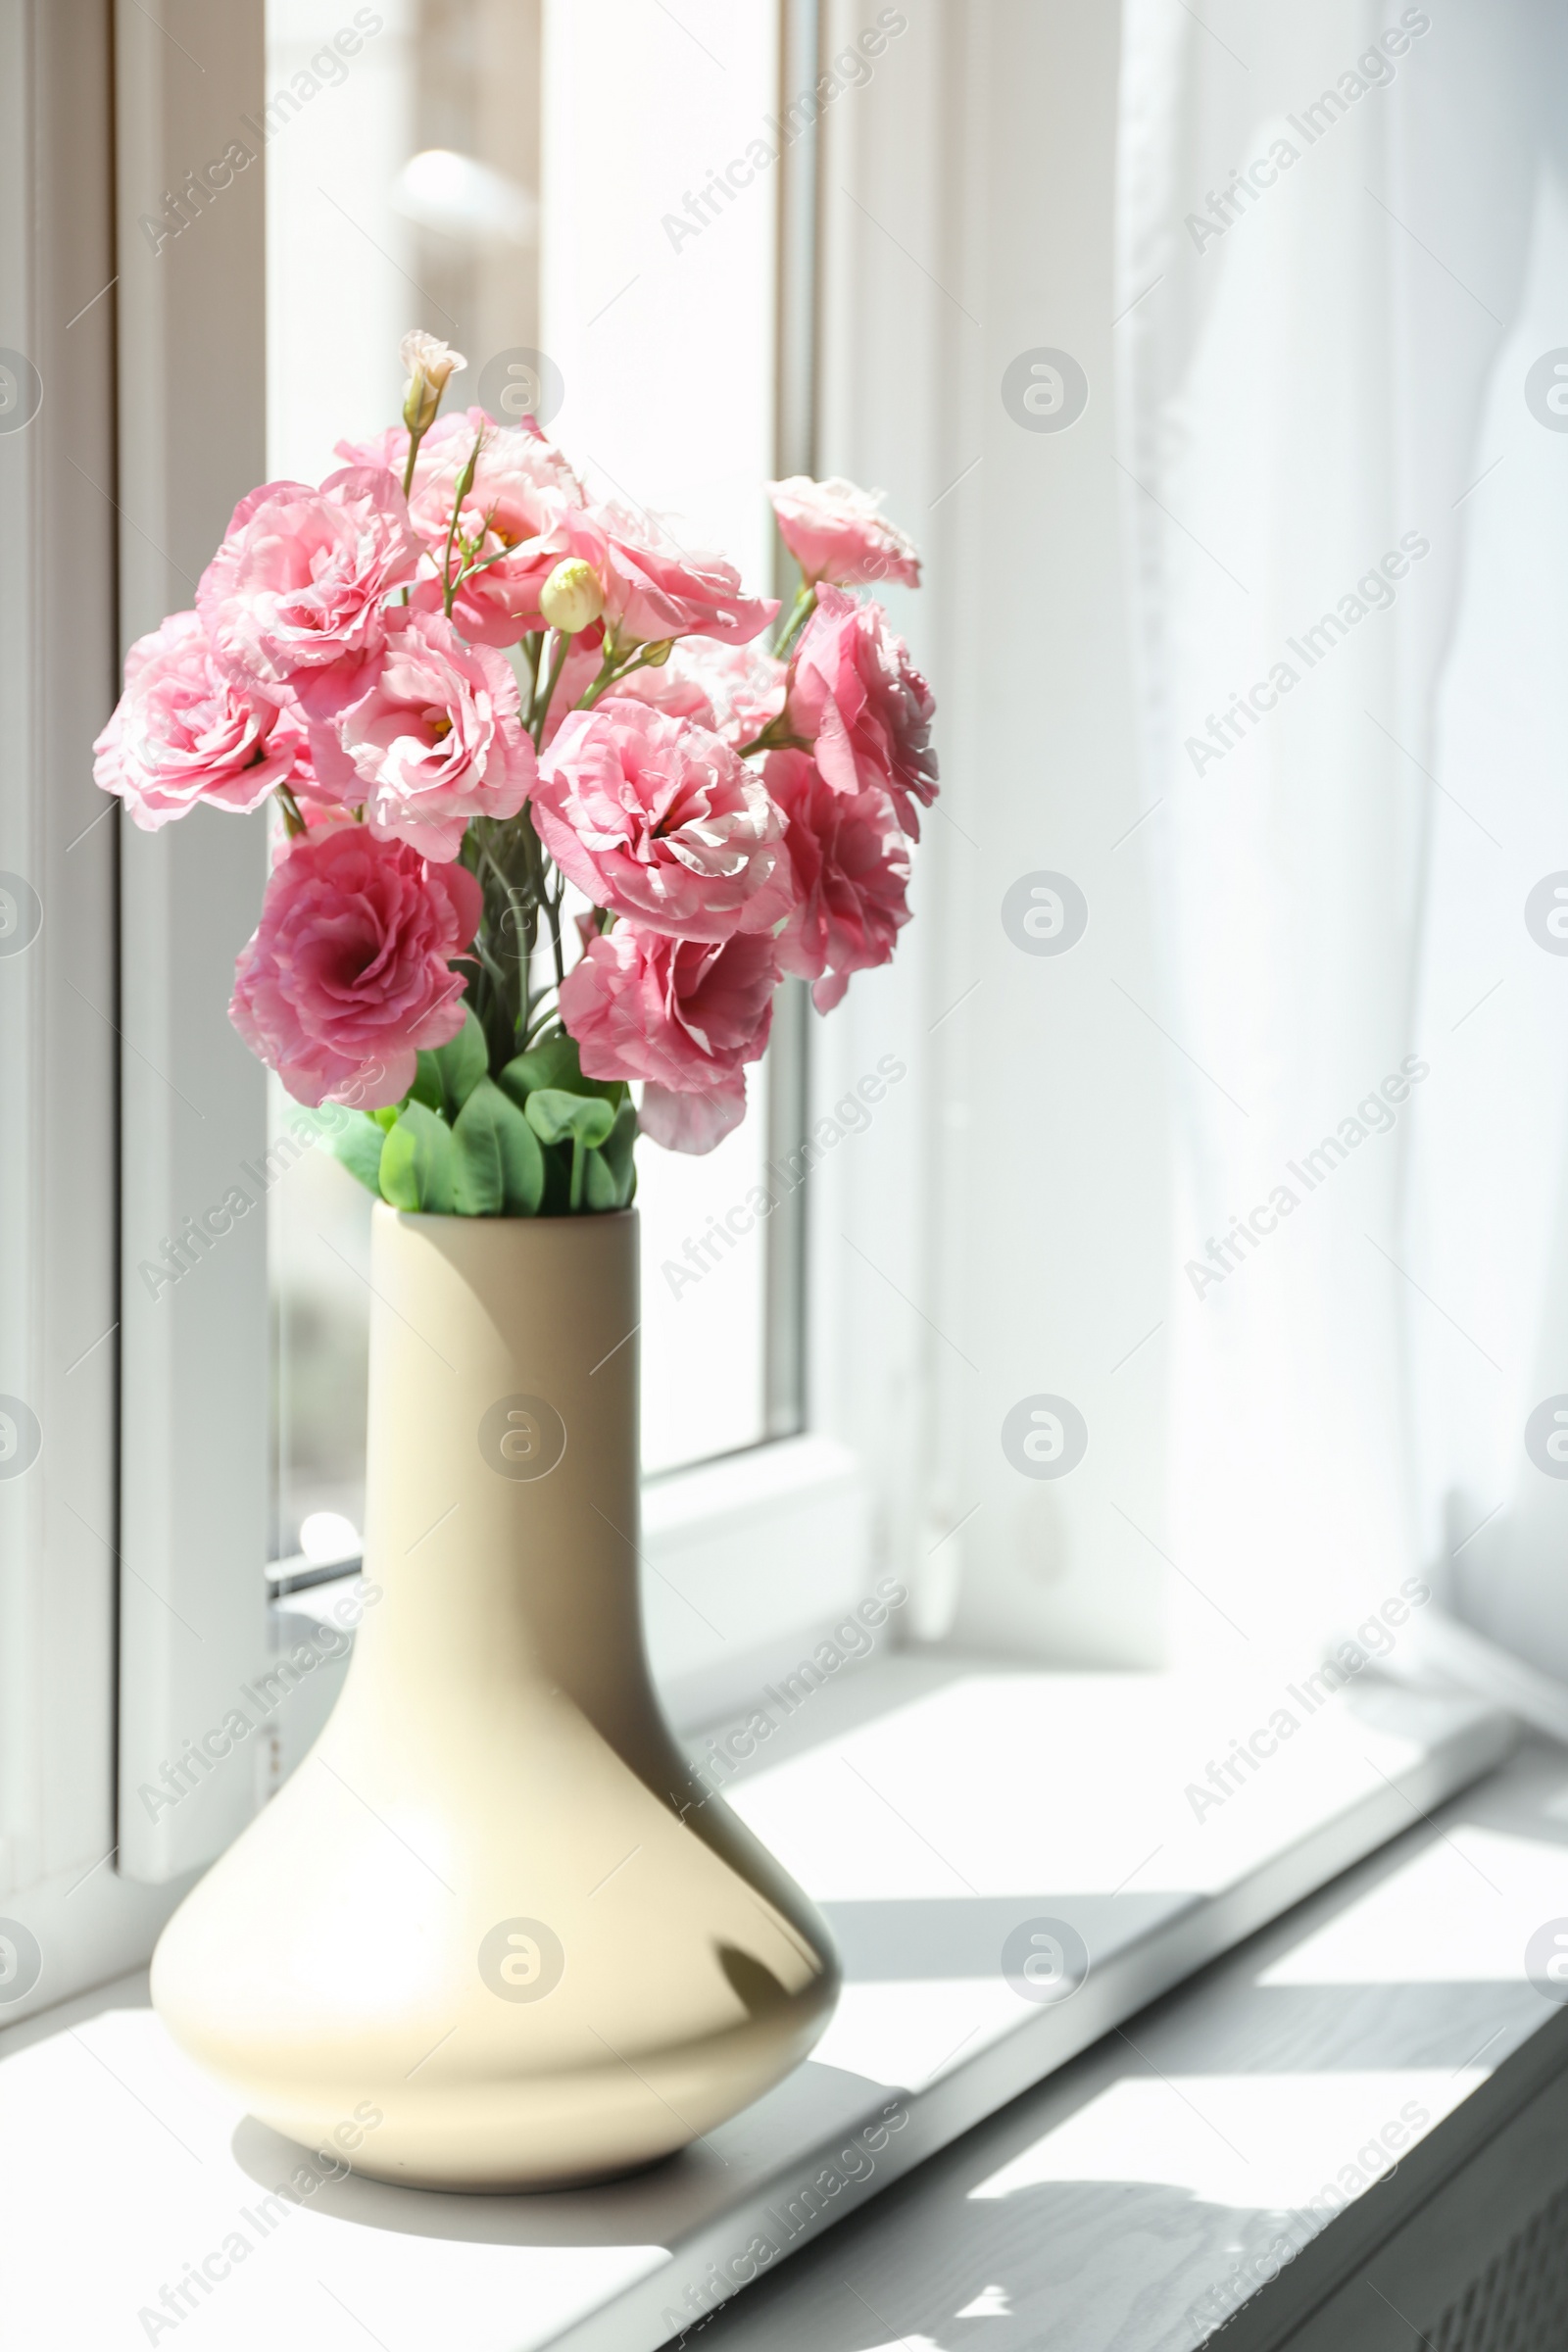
<point>408,183</point>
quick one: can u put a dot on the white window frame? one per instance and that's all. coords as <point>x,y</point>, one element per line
<point>62,1041</point>
<point>193,1104</point>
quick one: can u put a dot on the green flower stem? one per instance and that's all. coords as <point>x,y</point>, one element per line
<point>542,1020</point>
<point>800,612</point>
<point>416,434</point>
<point>449,585</point>
<point>606,672</point>
<point>539,709</point>
<point>293,821</point>
<point>614,670</point>
<point>776,737</point>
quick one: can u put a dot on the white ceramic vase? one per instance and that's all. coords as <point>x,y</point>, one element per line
<point>495,1934</point>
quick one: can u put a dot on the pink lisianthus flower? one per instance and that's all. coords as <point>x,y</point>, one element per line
<point>684,1015</point>
<point>184,731</point>
<point>856,696</point>
<point>655,818</point>
<point>320,816</point>
<point>747,683</point>
<point>735,690</point>
<point>348,974</point>
<point>444,452</point>
<point>851,866</point>
<point>522,513</point>
<point>674,687</point>
<point>655,588</point>
<point>432,738</point>
<point>692,1123</point>
<point>293,600</point>
<point>836,533</point>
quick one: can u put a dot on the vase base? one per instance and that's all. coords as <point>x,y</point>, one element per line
<point>605,2178</point>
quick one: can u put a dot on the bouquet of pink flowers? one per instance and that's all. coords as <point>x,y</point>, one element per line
<point>470,688</point>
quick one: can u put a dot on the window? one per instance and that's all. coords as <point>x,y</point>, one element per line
<point>258,309</point>
<point>413,187</point>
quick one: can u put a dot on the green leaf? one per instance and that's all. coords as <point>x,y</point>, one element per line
<point>522,1163</point>
<point>558,1180</point>
<point>448,1077</point>
<point>477,1185</point>
<point>499,1170</point>
<point>556,1116</point>
<point>582,1119</point>
<point>387,1116</point>
<point>416,1163</point>
<point>600,1187</point>
<point>359,1147</point>
<point>617,1151</point>
<point>554,1066</point>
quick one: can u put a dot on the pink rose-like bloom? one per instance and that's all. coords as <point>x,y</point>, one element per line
<point>733,689</point>
<point>683,1014</point>
<point>186,731</point>
<point>525,499</point>
<point>859,700</point>
<point>674,687</point>
<point>747,684</point>
<point>655,588</point>
<point>444,452</point>
<point>654,817</point>
<point>852,869</point>
<point>348,973</point>
<point>432,739</point>
<point>293,599</point>
<point>835,532</point>
<point>320,816</point>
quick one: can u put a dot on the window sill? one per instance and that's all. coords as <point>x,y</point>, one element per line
<point>932,1807</point>
<point>1356,2119</point>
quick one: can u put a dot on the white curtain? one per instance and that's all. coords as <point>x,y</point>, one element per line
<point>1345,238</point>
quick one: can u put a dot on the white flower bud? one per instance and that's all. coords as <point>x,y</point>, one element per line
<point>429,363</point>
<point>573,596</point>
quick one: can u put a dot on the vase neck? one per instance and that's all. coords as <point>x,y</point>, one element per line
<point>502,1529</point>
